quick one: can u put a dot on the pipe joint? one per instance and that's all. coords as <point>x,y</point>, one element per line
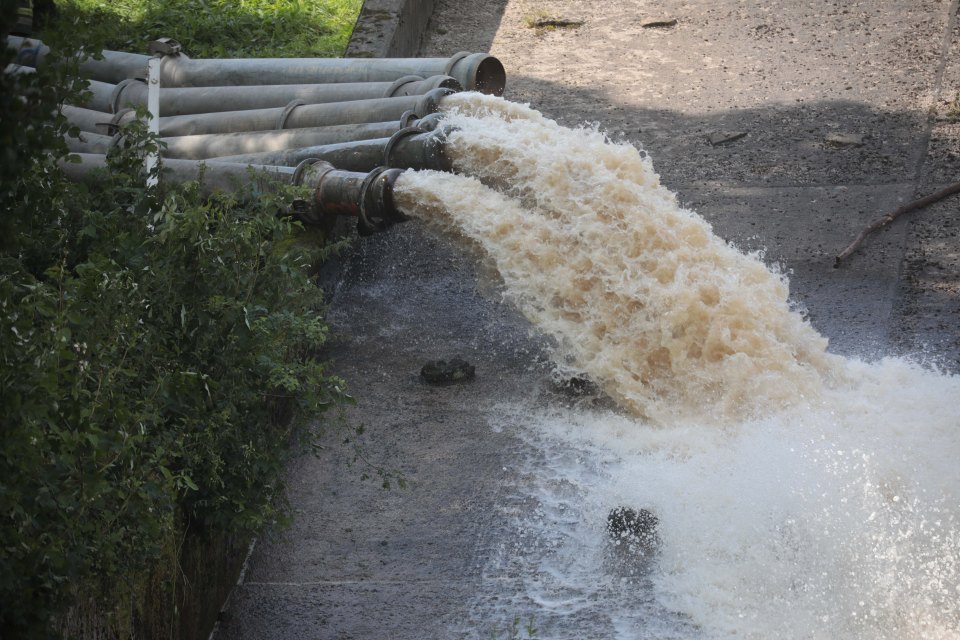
<point>377,208</point>
<point>398,84</point>
<point>430,101</point>
<point>285,114</point>
<point>121,99</point>
<point>368,197</point>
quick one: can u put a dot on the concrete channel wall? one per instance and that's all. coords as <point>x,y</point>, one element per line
<point>390,28</point>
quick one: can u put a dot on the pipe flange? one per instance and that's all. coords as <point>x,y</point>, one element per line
<point>117,121</point>
<point>454,59</point>
<point>366,226</point>
<point>399,82</point>
<point>117,92</point>
<point>302,210</point>
<point>430,101</point>
<point>392,214</point>
<point>287,110</point>
<point>394,139</point>
<point>430,122</point>
<point>297,178</point>
<point>408,118</point>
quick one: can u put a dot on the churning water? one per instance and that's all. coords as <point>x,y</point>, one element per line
<point>799,494</point>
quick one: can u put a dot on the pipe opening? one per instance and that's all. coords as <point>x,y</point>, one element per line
<point>491,77</point>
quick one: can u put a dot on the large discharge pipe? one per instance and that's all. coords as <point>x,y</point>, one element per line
<point>367,196</point>
<point>296,115</point>
<point>131,93</point>
<point>88,142</point>
<point>176,101</point>
<point>88,120</point>
<point>474,71</point>
<point>214,145</point>
<point>409,148</point>
<point>100,93</point>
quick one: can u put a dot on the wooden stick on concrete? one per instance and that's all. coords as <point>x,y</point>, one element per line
<point>890,217</point>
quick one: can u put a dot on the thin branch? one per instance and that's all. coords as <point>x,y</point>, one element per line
<point>890,217</point>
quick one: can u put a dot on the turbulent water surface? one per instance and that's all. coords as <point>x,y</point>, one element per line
<point>799,494</point>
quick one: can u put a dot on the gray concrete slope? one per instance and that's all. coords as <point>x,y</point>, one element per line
<point>362,562</point>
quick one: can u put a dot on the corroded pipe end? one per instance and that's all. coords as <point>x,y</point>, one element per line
<point>368,197</point>
<point>379,211</point>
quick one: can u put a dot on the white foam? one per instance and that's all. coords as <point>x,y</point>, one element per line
<point>834,520</point>
<point>800,495</point>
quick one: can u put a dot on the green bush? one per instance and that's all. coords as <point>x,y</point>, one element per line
<point>158,354</point>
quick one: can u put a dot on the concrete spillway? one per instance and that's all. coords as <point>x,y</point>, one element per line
<point>512,490</point>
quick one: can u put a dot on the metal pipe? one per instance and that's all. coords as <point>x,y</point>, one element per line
<point>297,115</point>
<point>474,71</point>
<point>30,52</point>
<point>175,101</point>
<point>409,148</point>
<point>90,143</point>
<point>216,177</point>
<point>367,196</point>
<point>112,67</point>
<point>100,92</point>
<point>101,96</point>
<point>212,145</point>
<point>15,69</point>
<point>87,119</point>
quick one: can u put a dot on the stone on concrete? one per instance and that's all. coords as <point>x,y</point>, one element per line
<point>442,372</point>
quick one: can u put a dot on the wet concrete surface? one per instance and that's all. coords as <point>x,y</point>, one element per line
<point>361,561</point>
<point>432,560</point>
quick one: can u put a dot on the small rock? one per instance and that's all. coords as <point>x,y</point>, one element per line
<point>723,137</point>
<point>576,386</point>
<point>636,526</point>
<point>845,140</point>
<point>443,372</point>
<point>659,22</point>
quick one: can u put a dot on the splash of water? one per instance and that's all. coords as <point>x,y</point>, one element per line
<point>828,506</point>
<point>637,291</point>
